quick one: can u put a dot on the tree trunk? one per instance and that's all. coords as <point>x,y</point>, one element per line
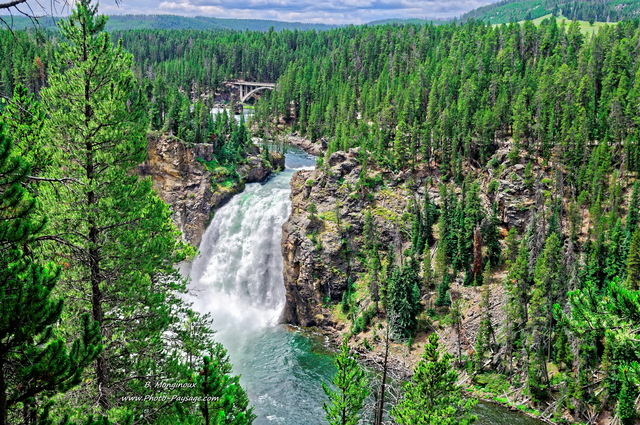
<point>98,316</point>
<point>3,392</point>
<point>102,374</point>
<point>380,406</point>
<point>477,253</point>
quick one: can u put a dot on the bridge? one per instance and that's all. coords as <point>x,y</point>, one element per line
<point>249,88</point>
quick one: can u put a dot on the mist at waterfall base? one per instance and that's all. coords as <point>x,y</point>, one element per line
<point>238,279</point>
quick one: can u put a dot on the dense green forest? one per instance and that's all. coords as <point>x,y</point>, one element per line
<point>583,10</point>
<point>454,97</point>
<point>467,100</point>
<point>463,100</point>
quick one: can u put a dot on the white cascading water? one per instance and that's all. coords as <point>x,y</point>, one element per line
<point>238,275</point>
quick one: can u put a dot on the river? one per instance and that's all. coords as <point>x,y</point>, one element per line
<point>246,113</point>
<point>238,279</point>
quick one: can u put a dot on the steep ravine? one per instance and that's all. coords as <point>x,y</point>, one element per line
<point>257,345</point>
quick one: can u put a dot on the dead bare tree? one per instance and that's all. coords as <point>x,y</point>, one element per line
<point>386,388</point>
<point>33,9</point>
<point>379,409</point>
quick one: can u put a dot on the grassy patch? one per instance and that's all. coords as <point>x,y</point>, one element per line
<point>585,27</point>
<point>229,183</point>
<point>338,314</point>
<point>329,216</point>
<point>386,214</point>
<point>494,383</point>
<point>362,289</point>
<point>388,193</point>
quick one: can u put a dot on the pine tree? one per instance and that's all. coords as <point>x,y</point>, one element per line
<point>634,209</point>
<point>372,257</point>
<point>404,298</point>
<point>33,360</point>
<point>387,272</point>
<point>627,399</point>
<point>548,289</point>
<point>225,402</point>
<point>417,231</point>
<point>116,233</point>
<point>442,257</point>
<point>427,272</point>
<point>432,397</point>
<point>492,239</point>
<point>615,265</point>
<point>485,330</point>
<point>351,389</point>
<point>511,242</point>
<point>429,217</point>
<point>470,216</point>
<point>518,286</point>
<point>443,298</point>
<point>633,262</point>
<point>548,279</point>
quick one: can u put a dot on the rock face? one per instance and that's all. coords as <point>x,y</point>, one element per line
<point>319,248</point>
<point>322,249</point>
<point>307,145</point>
<point>323,236</point>
<point>192,191</point>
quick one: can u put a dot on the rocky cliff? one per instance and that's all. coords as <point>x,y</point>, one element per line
<point>323,237</point>
<point>193,191</point>
<point>323,246</point>
<point>319,241</point>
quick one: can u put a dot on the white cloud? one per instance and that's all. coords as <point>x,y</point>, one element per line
<point>330,12</point>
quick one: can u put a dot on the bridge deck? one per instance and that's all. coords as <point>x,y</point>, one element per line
<point>251,83</point>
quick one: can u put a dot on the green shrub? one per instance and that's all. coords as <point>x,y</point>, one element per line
<point>493,187</point>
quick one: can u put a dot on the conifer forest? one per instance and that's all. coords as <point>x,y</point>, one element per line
<point>467,231</point>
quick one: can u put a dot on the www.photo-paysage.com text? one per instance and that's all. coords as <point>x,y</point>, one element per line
<point>179,399</point>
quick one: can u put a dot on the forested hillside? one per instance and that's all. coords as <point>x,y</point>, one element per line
<point>93,327</point>
<point>458,156</point>
<point>583,10</point>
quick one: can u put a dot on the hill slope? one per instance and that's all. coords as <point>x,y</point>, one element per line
<point>584,10</point>
<point>174,22</point>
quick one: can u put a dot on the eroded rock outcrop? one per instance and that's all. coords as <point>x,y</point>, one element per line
<point>190,188</point>
<point>324,234</point>
<point>307,145</point>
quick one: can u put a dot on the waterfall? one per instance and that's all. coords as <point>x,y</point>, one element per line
<point>238,275</point>
<point>237,278</point>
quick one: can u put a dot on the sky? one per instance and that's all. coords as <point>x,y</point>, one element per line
<point>315,11</point>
